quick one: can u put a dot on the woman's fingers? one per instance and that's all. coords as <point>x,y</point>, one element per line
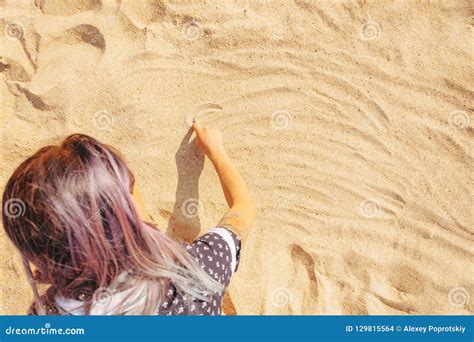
<point>198,131</point>
<point>196,127</point>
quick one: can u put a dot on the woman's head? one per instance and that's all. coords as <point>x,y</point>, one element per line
<point>80,227</point>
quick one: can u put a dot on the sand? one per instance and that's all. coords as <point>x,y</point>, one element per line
<point>351,122</point>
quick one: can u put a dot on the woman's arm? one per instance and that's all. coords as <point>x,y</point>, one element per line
<point>242,210</point>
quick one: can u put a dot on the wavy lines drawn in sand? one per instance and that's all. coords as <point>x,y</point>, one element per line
<point>351,130</point>
<point>200,112</point>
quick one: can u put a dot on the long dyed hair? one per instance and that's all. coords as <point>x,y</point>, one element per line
<point>69,211</point>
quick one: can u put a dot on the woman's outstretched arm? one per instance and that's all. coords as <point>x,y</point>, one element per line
<point>242,210</point>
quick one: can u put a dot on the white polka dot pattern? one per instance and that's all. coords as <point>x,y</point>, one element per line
<point>218,254</point>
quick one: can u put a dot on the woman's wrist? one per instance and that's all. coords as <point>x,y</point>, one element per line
<point>218,157</point>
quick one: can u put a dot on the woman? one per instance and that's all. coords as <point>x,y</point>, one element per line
<point>81,230</point>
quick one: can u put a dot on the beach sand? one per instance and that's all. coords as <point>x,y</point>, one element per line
<point>351,122</point>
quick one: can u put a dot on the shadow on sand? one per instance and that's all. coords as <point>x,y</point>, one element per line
<point>184,224</point>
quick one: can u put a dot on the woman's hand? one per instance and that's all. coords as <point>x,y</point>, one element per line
<point>209,140</point>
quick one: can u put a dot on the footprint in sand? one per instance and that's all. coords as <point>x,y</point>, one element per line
<point>37,92</point>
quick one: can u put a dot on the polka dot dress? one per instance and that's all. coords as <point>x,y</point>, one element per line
<point>218,254</point>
